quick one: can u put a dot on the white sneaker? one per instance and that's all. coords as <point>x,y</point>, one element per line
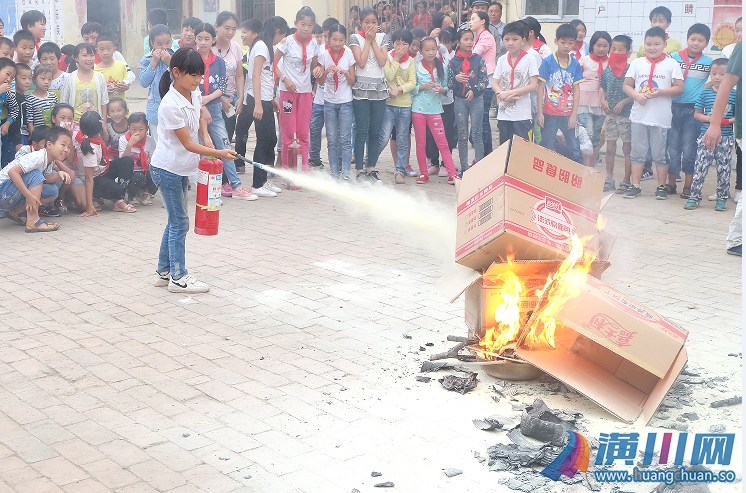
<point>271,187</point>
<point>737,196</point>
<point>714,197</point>
<point>187,285</point>
<point>263,192</point>
<point>160,280</point>
<point>243,194</point>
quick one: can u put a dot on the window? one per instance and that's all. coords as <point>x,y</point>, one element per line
<point>553,9</point>
<point>173,8</point>
<point>259,9</point>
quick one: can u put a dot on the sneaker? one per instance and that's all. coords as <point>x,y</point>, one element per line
<point>345,179</point>
<point>691,204</point>
<point>187,285</point>
<point>160,279</point>
<point>263,192</point>
<point>240,169</point>
<point>409,171</point>
<point>422,179</point>
<point>399,178</point>
<point>452,180</point>
<point>226,190</point>
<point>647,174</point>
<point>736,250</point>
<point>60,204</point>
<point>316,163</point>
<point>737,196</point>
<point>272,187</point>
<point>720,205</point>
<point>49,212</point>
<point>432,170</point>
<point>243,194</point>
<point>363,179</point>
<point>632,192</point>
<point>374,178</point>
<point>145,199</point>
<point>661,193</point>
<point>442,172</point>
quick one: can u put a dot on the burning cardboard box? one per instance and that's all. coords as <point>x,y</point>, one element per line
<point>525,201</point>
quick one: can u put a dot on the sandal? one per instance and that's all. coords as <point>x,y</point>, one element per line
<point>129,208</point>
<point>19,218</point>
<point>685,193</point>
<point>41,226</point>
<point>609,186</point>
<point>623,186</point>
<point>145,199</point>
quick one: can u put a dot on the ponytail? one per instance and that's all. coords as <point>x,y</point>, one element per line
<point>90,126</point>
<point>165,83</point>
<point>269,29</point>
<point>86,147</point>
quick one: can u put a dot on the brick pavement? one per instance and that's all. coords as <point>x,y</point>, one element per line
<point>292,374</point>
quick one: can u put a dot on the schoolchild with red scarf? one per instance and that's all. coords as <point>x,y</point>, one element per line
<point>299,54</point>
<point>617,106</point>
<point>137,144</point>
<point>399,72</point>
<point>590,110</point>
<point>651,82</point>
<point>467,77</point>
<point>516,77</point>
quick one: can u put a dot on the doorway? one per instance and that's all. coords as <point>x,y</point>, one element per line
<point>107,14</point>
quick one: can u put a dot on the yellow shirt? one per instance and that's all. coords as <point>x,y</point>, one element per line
<point>116,73</point>
<point>86,97</point>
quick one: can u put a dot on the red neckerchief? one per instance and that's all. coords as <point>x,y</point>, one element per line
<point>303,44</point>
<point>667,36</point>
<point>403,59</point>
<point>97,60</point>
<point>577,47</point>
<point>652,68</point>
<point>538,44</point>
<point>362,33</point>
<point>37,43</point>
<point>618,63</point>
<point>600,61</point>
<point>143,154</point>
<point>429,69</point>
<point>335,61</point>
<point>79,137</point>
<point>206,76</point>
<point>465,64</point>
<point>684,54</point>
<point>513,65</point>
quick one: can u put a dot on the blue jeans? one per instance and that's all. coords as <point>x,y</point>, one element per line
<point>12,198</point>
<point>682,140</point>
<point>402,118</point>
<point>219,136</point>
<point>465,111</point>
<point>553,123</point>
<point>368,117</point>
<point>338,119</point>
<point>317,123</point>
<point>173,243</point>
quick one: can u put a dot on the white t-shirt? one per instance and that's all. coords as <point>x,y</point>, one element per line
<point>372,69</point>
<point>524,70</point>
<point>135,151</point>
<point>177,112</point>
<point>343,93</point>
<point>318,96</point>
<point>232,58</point>
<point>36,160</point>
<point>293,67</point>
<point>93,160</point>
<point>537,57</point>
<point>267,82</point>
<point>656,112</point>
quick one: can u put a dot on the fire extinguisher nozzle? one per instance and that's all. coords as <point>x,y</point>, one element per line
<point>249,161</point>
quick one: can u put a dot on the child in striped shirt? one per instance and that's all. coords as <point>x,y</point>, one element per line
<point>41,101</point>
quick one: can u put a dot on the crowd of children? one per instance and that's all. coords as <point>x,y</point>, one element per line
<point>369,83</point>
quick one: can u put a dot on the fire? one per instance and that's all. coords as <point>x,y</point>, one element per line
<point>564,285</point>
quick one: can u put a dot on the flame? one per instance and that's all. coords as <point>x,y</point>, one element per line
<point>601,222</point>
<point>564,285</point>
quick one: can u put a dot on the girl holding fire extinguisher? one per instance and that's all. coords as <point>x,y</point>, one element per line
<point>176,157</point>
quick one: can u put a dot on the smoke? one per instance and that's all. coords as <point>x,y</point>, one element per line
<point>421,221</point>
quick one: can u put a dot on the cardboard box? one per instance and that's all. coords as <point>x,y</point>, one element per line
<point>482,291</point>
<point>612,349</point>
<point>526,201</point>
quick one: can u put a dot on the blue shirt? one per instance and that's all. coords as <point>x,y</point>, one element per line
<point>705,102</point>
<point>150,77</point>
<point>427,102</point>
<point>695,80</point>
<point>218,81</point>
<point>559,80</point>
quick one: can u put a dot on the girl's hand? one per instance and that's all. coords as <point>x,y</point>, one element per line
<point>469,96</point>
<point>4,128</point>
<point>207,142</point>
<point>572,122</point>
<point>462,78</point>
<point>64,177</point>
<point>90,211</point>
<point>157,54</point>
<point>618,108</point>
<point>166,57</point>
<point>226,154</point>
<point>135,138</point>
<point>400,52</point>
<point>239,107</point>
<point>275,105</point>
<point>428,86</point>
<point>605,106</point>
<point>540,119</point>
<point>258,111</point>
<point>370,34</point>
<point>318,72</point>
<point>122,86</point>
<point>289,85</point>
<point>438,89</point>
<point>394,92</point>
<point>435,32</point>
<point>224,103</point>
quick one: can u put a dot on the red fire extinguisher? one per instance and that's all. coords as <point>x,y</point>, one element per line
<point>209,186</point>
